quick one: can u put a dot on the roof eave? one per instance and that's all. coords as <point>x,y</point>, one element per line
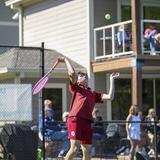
<point>22,3</point>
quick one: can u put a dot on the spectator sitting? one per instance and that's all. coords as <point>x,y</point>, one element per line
<point>64,118</point>
<point>151,37</point>
<point>97,118</point>
<point>52,130</point>
<point>151,117</point>
<point>123,38</point>
<point>66,144</point>
<point>98,127</point>
<point>157,37</point>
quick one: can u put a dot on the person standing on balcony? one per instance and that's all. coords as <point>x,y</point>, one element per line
<point>123,38</point>
<point>133,129</point>
<point>150,37</point>
<point>157,37</point>
<point>80,114</point>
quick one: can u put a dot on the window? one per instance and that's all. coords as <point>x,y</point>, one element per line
<point>122,100</point>
<point>149,12</point>
<point>126,13</point>
<point>147,95</point>
<point>158,97</point>
<point>58,92</point>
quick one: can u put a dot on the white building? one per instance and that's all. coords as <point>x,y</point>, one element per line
<point>71,26</point>
<point>8,26</point>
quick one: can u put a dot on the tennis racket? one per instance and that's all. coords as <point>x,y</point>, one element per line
<point>42,82</point>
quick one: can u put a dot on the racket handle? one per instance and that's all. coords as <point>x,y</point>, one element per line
<point>55,64</point>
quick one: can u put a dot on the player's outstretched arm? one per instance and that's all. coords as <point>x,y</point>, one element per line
<point>110,95</point>
<point>71,71</point>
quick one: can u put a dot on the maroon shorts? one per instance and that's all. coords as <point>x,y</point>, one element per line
<point>80,129</point>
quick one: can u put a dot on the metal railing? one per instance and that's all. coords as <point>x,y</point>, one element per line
<point>106,40</point>
<point>20,69</point>
<point>144,24</point>
<point>110,140</point>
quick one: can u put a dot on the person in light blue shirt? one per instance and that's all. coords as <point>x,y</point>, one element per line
<point>133,129</point>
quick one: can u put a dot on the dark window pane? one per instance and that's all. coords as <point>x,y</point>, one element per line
<point>147,94</point>
<point>158,97</point>
<point>126,13</point>
<point>55,93</point>
<point>148,12</point>
<point>151,12</point>
<point>122,100</point>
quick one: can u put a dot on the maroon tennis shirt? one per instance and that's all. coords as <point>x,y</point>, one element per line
<point>83,101</point>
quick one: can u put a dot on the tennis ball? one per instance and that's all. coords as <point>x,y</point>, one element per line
<point>107,16</point>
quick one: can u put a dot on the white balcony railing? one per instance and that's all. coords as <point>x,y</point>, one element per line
<point>106,42</point>
<point>146,48</point>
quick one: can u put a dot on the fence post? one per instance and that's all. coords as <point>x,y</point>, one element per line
<point>42,99</point>
<point>155,139</point>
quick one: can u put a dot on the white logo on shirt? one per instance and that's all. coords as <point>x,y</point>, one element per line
<point>72,133</point>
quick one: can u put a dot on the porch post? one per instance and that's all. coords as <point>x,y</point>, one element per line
<point>136,47</point>
<point>137,84</point>
<point>136,26</point>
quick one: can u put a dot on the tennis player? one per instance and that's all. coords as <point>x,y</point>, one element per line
<point>80,114</point>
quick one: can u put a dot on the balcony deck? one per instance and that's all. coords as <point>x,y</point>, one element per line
<point>151,64</point>
<point>108,56</point>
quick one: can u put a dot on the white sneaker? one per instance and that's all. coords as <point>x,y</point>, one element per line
<point>153,53</point>
<point>151,152</point>
<point>93,151</point>
<point>126,152</point>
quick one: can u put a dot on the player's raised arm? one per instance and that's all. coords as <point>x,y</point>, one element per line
<point>71,72</point>
<point>110,95</point>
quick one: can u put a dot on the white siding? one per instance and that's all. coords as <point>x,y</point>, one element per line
<point>62,26</point>
<point>8,26</point>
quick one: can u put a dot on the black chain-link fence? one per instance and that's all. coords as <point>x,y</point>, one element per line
<point>116,144</point>
<point>110,141</point>
<point>20,69</point>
